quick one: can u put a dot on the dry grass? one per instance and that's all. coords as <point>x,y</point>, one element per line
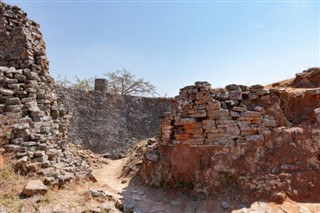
<point>10,187</point>
<point>9,192</point>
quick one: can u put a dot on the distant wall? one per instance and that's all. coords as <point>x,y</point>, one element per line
<point>108,123</point>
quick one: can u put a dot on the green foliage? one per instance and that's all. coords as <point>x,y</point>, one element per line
<point>124,82</point>
<point>179,184</point>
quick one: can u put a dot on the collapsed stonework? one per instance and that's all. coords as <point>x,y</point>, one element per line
<point>246,139</point>
<point>109,123</point>
<point>39,130</point>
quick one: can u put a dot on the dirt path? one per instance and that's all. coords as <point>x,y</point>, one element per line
<point>151,200</point>
<point>108,175</point>
<point>75,198</point>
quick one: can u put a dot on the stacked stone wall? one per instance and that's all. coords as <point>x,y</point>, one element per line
<point>202,116</point>
<point>39,131</point>
<point>21,42</point>
<point>109,123</point>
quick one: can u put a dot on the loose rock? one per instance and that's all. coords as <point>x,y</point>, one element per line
<point>34,187</point>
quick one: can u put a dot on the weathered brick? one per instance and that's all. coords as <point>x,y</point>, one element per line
<point>182,136</point>
<point>218,113</point>
<point>214,105</point>
<point>192,125</point>
<point>194,130</point>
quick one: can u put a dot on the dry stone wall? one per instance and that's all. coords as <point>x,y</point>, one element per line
<point>22,45</point>
<point>205,116</point>
<point>250,141</point>
<point>107,123</point>
<point>39,130</point>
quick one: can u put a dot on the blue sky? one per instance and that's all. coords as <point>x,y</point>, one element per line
<point>175,43</point>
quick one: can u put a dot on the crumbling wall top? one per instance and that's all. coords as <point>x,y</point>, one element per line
<point>21,42</point>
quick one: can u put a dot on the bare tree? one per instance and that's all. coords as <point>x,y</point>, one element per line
<point>78,83</point>
<point>62,82</point>
<point>125,83</point>
<point>83,84</point>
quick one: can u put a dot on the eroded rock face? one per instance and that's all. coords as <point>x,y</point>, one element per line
<point>39,130</point>
<point>249,139</point>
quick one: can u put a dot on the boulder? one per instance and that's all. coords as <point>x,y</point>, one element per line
<point>34,187</point>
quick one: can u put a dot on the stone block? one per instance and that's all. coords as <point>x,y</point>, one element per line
<point>20,78</point>
<point>255,138</point>
<point>20,126</point>
<point>193,130</point>
<point>216,135</point>
<point>235,95</point>
<point>214,105</point>
<point>14,148</point>
<point>239,109</point>
<point>183,121</point>
<point>184,136</point>
<point>13,101</point>
<point>6,92</point>
<point>198,114</point>
<point>233,131</point>
<point>218,113</point>
<point>222,95</point>
<point>250,114</point>
<point>34,187</point>
<point>192,125</point>
<point>269,122</point>
<point>248,131</point>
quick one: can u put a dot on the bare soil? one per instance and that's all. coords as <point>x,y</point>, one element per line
<point>75,197</point>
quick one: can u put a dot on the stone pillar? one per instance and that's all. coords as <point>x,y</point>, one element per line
<point>101,84</point>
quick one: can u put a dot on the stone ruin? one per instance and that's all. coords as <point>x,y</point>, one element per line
<point>217,117</point>
<point>256,141</point>
<point>38,134</point>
